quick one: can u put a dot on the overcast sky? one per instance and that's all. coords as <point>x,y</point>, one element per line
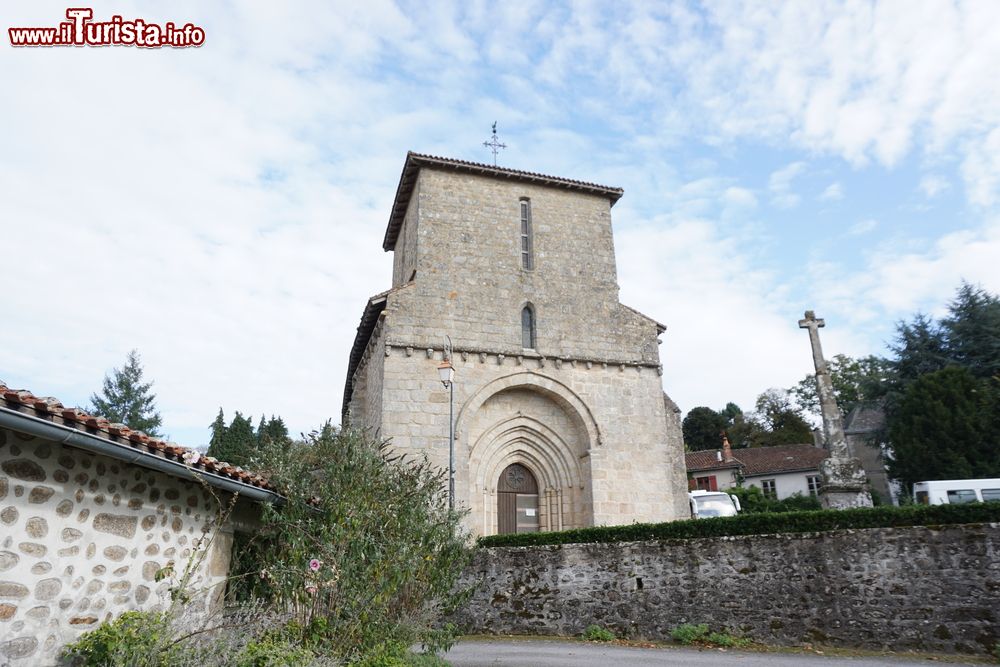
<point>221,209</point>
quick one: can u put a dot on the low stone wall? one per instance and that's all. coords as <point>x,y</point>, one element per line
<point>921,588</point>
<point>81,539</point>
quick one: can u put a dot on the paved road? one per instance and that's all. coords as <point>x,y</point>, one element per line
<point>557,653</point>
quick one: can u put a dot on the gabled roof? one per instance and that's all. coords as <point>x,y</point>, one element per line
<point>369,318</point>
<point>20,404</point>
<point>757,461</point>
<point>416,161</point>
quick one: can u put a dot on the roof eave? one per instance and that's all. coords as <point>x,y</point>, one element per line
<point>415,161</point>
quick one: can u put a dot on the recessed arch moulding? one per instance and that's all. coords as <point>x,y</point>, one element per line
<point>540,423</point>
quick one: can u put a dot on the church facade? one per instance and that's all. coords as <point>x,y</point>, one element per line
<point>560,418</point>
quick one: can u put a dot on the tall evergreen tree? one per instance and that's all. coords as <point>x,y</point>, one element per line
<point>126,399</point>
<point>945,427</point>
<point>218,434</point>
<point>972,331</point>
<point>920,348</point>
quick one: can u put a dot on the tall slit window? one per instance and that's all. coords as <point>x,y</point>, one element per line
<point>528,327</point>
<point>527,242</point>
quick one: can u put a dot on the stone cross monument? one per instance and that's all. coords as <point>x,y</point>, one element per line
<point>843,477</point>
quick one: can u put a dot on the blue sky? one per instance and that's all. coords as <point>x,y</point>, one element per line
<point>222,208</point>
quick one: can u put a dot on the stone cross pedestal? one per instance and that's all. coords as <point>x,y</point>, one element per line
<point>844,480</point>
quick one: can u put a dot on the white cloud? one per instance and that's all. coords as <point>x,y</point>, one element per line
<point>981,171</point>
<point>780,185</point>
<point>932,185</point>
<point>739,198</point>
<point>833,192</point>
<point>863,227</point>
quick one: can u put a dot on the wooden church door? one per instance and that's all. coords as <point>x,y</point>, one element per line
<point>517,501</point>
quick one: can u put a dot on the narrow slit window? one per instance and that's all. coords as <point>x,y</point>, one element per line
<point>528,327</point>
<point>527,242</point>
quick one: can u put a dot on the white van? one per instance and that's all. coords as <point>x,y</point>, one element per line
<point>712,503</point>
<point>956,491</point>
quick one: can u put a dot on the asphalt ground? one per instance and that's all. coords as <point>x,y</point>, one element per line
<point>482,652</point>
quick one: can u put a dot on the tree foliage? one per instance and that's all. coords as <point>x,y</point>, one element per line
<point>943,410</point>
<point>365,551</point>
<point>126,399</point>
<point>241,445</point>
<point>945,427</point>
<point>855,381</point>
<point>781,420</point>
<point>702,428</point>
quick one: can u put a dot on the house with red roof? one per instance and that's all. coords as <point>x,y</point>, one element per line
<point>779,471</point>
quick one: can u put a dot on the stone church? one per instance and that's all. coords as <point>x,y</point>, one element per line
<point>560,419</point>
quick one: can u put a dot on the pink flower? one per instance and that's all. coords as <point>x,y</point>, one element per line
<point>315,564</point>
<point>311,590</point>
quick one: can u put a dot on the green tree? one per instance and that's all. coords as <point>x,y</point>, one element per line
<point>702,428</point>
<point>218,428</point>
<point>945,427</point>
<point>126,399</point>
<point>274,431</point>
<point>920,348</point>
<point>780,421</point>
<point>972,331</point>
<point>237,443</point>
<point>855,381</point>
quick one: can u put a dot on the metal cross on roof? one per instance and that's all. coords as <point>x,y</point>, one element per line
<point>494,144</point>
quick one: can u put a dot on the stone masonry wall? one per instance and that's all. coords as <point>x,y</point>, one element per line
<point>81,539</point>
<point>920,588</point>
<point>589,419</point>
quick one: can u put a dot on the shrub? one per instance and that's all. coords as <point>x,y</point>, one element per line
<point>136,638</point>
<point>753,500</point>
<point>689,634</point>
<point>595,633</point>
<point>364,552</point>
<point>272,652</point>
<point>762,524</point>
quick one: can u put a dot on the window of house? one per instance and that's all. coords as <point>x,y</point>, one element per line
<point>814,482</point>
<point>769,488</point>
<point>528,327</point>
<point>527,242</point>
<point>708,483</point>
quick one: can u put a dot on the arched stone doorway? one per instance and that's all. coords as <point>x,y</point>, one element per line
<point>535,422</point>
<point>517,500</point>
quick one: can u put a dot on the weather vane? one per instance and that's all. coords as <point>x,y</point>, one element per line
<point>494,144</point>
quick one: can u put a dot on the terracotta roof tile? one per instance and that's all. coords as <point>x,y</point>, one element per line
<point>119,434</point>
<point>756,461</point>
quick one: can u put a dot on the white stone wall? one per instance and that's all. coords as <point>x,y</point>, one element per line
<point>81,539</point>
<point>785,484</point>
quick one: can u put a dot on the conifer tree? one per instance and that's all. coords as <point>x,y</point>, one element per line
<point>218,434</point>
<point>126,399</point>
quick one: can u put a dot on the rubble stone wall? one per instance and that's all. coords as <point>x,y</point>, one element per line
<point>82,537</point>
<point>919,588</point>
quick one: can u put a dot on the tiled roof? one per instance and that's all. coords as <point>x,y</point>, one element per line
<point>707,459</point>
<point>757,461</point>
<point>414,161</point>
<point>54,411</point>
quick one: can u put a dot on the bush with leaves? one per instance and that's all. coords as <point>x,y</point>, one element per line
<point>365,552</point>
<point>753,500</point>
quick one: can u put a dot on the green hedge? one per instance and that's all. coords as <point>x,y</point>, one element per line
<point>761,524</point>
